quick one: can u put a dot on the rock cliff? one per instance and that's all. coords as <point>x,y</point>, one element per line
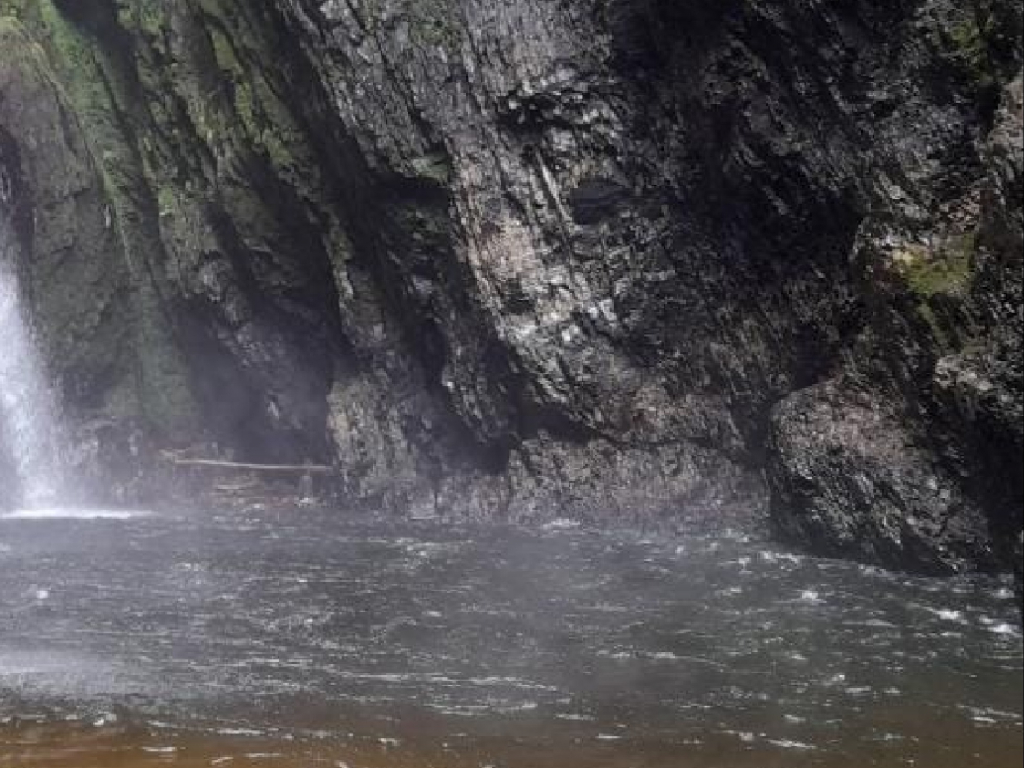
<point>613,259</point>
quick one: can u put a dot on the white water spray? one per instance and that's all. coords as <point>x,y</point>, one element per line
<point>29,423</point>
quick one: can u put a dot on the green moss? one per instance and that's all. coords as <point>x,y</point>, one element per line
<point>267,125</point>
<point>145,16</point>
<point>187,109</point>
<point>101,94</point>
<point>20,47</point>
<point>224,51</point>
<point>15,8</point>
<point>947,269</point>
<point>938,280</point>
<point>167,201</point>
<point>968,42</point>
<point>982,39</point>
<point>936,329</point>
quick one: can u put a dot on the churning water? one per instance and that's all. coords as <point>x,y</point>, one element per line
<point>299,639</point>
<point>29,425</point>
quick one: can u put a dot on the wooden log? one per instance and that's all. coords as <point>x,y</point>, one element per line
<point>316,469</point>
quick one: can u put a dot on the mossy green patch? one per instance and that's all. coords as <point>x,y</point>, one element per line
<point>101,91</point>
<point>969,43</point>
<point>938,280</point>
<point>927,272</point>
<point>982,39</point>
<point>196,117</point>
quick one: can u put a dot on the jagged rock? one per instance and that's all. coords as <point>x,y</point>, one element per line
<point>929,472</point>
<point>529,259</point>
<point>851,480</point>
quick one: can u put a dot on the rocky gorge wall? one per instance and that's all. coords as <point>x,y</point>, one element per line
<point>613,259</point>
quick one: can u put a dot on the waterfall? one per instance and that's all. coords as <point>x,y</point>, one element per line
<point>29,423</point>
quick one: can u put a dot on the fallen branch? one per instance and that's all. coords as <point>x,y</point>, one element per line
<point>315,469</point>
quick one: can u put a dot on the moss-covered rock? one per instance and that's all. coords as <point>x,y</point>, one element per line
<point>75,269</point>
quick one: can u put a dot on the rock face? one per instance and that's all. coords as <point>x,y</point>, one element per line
<point>605,258</point>
<point>912,454</point>
<point>852,480</point>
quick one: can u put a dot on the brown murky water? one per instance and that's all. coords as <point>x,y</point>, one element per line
<point>77,746</point>
<point>288,640</point>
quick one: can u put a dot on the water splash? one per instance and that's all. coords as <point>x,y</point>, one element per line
<point>29,423</point>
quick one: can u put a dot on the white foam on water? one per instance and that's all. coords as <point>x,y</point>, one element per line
<point>561,524</point>
<point>1003,628</point>
<point>60,513</point>
<point>947,614</point>
<point>790,744</point>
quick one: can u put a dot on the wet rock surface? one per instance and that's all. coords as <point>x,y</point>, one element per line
<point>516,259</point>
<point>853,481</point>
<point>927,414</point>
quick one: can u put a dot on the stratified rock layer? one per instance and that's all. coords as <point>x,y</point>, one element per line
<point>602,258</point>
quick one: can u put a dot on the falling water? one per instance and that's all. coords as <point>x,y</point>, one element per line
<point>28,415</point>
